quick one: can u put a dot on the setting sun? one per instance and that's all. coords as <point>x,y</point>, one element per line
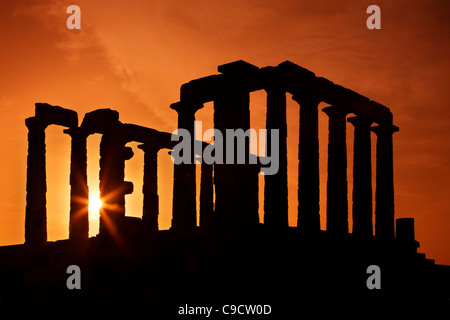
<point>95,204</point>
<point>127,57</point>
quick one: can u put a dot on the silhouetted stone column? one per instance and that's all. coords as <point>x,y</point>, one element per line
<point>150,211</point>
<point>384,192</point>
<point>308,166</point>
<point>113,188</point>
<point>275,186</point>
<point>337,203</point>
<point>236,185</point>
<point>184,216</point>
<point>206,196</point>
<point>362,178</point>
<point>79,192</point>
<point>36,214</point>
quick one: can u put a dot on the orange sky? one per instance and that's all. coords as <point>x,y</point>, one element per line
<point>133,56</point>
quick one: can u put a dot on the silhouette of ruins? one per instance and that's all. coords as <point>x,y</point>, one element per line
<point>229,192</point>
<point>236,186</point>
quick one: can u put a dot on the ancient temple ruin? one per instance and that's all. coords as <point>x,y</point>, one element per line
<point>227,251</point>
<point>236,186</point>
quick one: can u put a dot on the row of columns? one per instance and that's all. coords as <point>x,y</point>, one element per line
<point>112,185</point>
<point>235,190</point>
<point>236,187</point>
<point>337,193</point>
<point>35,211</point>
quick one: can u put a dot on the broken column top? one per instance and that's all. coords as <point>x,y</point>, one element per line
<point>99,120</point>
<point>49,114</point>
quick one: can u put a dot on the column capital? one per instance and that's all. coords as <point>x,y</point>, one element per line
<point>34,123</point>
<point>335,111</point>
<point>77,131</point>
<point>183,107</point>
<point>384,129</point>
<point>359,121</point>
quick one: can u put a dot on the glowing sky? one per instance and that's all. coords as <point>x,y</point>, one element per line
<point>134,55</point>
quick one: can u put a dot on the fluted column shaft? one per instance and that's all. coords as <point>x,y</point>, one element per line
<point>36,213</point>
<point>184,215</point>
<point>79,192</point>
<point>362,178</point>
<point>308,163</point>
<point>236,185</point>
<point>150,210</point>
<point>384,192</point>
<point>276,186</point>
<point>337,203</point>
